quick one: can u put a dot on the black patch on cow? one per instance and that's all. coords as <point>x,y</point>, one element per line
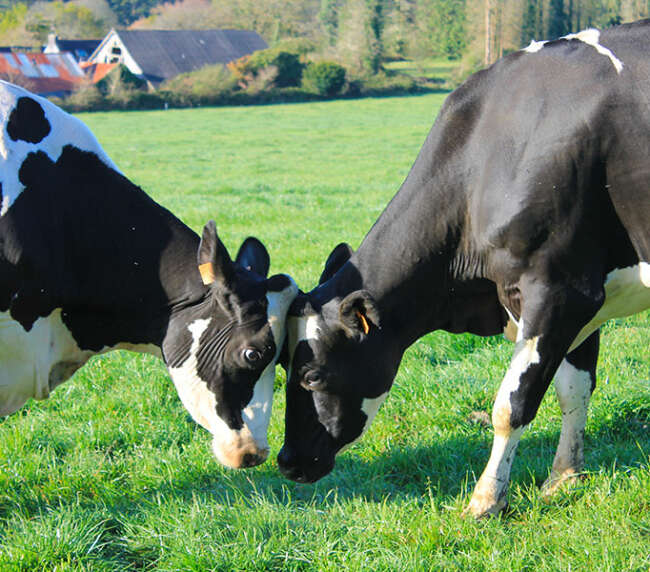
<point>27,121</point>
<point>278,282</point>
<point>83,238</point>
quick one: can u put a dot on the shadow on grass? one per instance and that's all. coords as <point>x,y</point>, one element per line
<point>445,470</point>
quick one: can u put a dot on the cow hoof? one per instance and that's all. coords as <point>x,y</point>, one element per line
<point>482,509</point>
<point>557,482</point>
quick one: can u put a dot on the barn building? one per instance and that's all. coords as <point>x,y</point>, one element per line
<point>159,55</point>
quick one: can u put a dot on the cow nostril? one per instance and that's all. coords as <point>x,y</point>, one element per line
<point>250,460</point>
<point>253,459</point>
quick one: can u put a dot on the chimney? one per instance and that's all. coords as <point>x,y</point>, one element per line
<point>51,47</point>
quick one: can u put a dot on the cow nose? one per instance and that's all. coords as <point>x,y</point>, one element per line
<point>252,460</point>
<point>289,466</point>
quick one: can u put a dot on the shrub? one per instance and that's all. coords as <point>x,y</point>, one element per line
<point>86,98</point>
<point>118,81</point>
<point>382,84</point>
<point>288,67</point>
<point>298,46</point>
<point>203,83</point>
<point>324,78</point>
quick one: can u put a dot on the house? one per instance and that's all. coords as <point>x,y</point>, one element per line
<point>80,49</point>
<point>43,74</point>
<point>158,55</point>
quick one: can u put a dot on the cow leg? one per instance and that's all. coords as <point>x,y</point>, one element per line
<point>575,380</point>
<point>551,319</point>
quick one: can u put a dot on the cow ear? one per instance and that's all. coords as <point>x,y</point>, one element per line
<point>337,258</point>
<point>214,261</point>
<point>358,313</point>
<point>253,256</point>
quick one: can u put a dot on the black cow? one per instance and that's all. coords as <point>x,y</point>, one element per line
<point>527,210</point>
<point>90,263</point>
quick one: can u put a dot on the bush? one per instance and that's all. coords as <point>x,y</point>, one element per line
<point>202,83</point>
<point>324,78</point>
<point>86,98</point>
<point>119,80</point>
<point>298,46</point>
<point>382,84</point>
<point>288,67</point>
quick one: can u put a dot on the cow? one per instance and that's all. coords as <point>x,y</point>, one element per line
<point>90,263</point>
<point>527,211</point>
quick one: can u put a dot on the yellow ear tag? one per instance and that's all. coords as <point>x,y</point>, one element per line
<point>364,322</point>
<point>207,273</point>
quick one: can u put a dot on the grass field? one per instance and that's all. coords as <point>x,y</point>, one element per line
<point>111,473</point>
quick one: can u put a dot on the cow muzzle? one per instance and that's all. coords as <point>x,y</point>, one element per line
<point>240,450</point>
<point>303,469</point>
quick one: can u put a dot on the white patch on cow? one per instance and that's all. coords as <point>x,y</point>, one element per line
<point>489,496</point>
<point>573,390</point>
<point>257,414</point>
<point>230,446</point>
<point>201,403</point>
<point>627,292</point>
<point>490,491</point>
<point>65,130</point>
<point>534,47</point>
<point>299,329</point>
<point>592,37</point>
<point>513,330</point>
<point>35,361</point>
<point>524,356</point>
<point>370,406</point>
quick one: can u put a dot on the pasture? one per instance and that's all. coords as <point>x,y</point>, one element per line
<point>111,473</point>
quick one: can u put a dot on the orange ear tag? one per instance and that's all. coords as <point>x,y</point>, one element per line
<point>364,322</point>
<point>207,273</point>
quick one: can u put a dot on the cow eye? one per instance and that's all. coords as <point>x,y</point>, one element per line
<point>312,379</point>
<point>252,356</point>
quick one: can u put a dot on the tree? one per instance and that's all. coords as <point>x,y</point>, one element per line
<point>529,29</point>
<point>359,39</point>
<point>329,20</point>
<point>558,24</point>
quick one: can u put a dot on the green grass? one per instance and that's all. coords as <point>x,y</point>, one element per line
<point>110,473</point>
<point>435,70</point>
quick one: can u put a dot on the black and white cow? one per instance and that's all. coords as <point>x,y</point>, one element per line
<point>527,210</point>
<point>90,263</point>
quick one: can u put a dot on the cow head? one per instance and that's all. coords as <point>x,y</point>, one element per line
<point>342,365</point>
<point>221,351</point>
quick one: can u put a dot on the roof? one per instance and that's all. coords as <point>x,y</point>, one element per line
<point>95,71</point>
<point>82,49</point>
<point>163,54</point>
<point>43,74</point>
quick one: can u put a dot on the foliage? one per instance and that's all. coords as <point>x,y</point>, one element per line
<point>286,66</point>
<point>446,30</point>
<point>358,45</point>
<point>182,15</point>
<point>111,473</point>
<point>558,24</point>
<point>202,83</point>
<point>324,78</point>
<point>12,17</point>
<point>128,11</point>
<point>329,20</point>
<point>119,81</point>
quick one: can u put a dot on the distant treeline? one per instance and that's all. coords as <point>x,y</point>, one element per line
<point>360,33</point>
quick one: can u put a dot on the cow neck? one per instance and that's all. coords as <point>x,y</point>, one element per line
<point>408,259</point>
